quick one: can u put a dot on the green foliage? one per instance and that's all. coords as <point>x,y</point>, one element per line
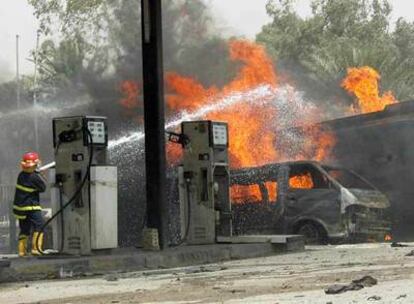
<point>101,39</point>
<point>341,34</point>
<point>68,16</point>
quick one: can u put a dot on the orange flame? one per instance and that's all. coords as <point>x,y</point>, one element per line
<point>388,238</point>
<point>271,190</point>
<point>245,193</point>
<point>301,181</point>
<point>131,91</point>
<point>252,135</point>
<point>363,83</point>
<point>251,142</point>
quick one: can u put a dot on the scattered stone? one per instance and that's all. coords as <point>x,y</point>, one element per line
<point>115,301</point>
<point>395,244</point>
<point>374,298</point>
<point>237,290</point>
<point>401,296</point>
<point>410,253</point>
<point>329,302</point>
<point>337,289</point>
<point>26,285</point>
<point>111,278</point>
<point>366,281</point>
<point>202,269</point>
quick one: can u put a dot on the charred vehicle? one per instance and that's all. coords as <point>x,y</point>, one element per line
<point>323,203</point>
<point>379,146</point>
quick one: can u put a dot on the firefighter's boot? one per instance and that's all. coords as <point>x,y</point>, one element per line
<point>22,246</point>
<point>37,243</point>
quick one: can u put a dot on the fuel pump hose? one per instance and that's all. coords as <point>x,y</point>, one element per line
<point>74,196</point>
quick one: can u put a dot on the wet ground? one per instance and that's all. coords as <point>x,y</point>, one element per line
<point>292,278</point>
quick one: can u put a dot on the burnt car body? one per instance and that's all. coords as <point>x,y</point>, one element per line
<point>321,202</point>
<point>379,146</point>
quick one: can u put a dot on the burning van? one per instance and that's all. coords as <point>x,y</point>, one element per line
<point>323,203</point>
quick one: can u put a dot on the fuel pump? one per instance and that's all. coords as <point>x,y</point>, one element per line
<point>204,182</point>
<point>84,198</point>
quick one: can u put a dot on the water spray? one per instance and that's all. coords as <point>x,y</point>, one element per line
<point>261,94</point>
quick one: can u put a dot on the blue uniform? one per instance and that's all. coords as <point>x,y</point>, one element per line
<point>26,206</point>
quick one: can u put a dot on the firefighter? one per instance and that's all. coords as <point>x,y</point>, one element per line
<point>26,206</point>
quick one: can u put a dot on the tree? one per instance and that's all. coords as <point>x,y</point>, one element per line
<point>341,34</point>
<point>109,32</point>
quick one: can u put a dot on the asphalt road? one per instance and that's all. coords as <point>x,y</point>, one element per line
<point>292,278</point>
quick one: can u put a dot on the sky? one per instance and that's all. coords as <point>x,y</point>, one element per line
<point>235,17</point>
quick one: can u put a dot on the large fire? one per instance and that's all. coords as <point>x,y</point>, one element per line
<point>363,84</point>
<point>252,125</point>
<point>251,140</point>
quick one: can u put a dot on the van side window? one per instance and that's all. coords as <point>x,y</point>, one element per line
<point>307,177</point>
<point>245,193</point>
<point>302,180</point>
<point>271,187</point>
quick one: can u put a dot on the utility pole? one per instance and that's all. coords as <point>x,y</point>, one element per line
<point>153,74</point>
<point>19,141</point>
<point>36,128</point>
<point>17,73</point>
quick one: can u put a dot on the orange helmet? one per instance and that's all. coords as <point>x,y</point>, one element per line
<point>30,160</point>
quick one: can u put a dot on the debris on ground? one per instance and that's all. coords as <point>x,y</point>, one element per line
<point>401,296</point>
<point>366,281</point>
<point>374,298</point>
<point>111,278</point>
<point>395,244</point>
<point>410,253</point>
<point>202,269</point>
<point>337,289</point>
<point>237,290</point>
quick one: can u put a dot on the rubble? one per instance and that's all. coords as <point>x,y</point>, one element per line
<point>395,244</point>
<point>265,280</point>
<point>411,253</point>
<point>366,281</point>
<point>111,278</point>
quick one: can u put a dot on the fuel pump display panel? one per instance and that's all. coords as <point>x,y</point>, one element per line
<point>220,134</point>
<point>98,130</point>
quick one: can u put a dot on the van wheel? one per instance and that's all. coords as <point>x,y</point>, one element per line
<point>312,233</point>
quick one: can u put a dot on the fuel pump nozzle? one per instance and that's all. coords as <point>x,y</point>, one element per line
<point>177,138</point>
<point>46,167</point>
